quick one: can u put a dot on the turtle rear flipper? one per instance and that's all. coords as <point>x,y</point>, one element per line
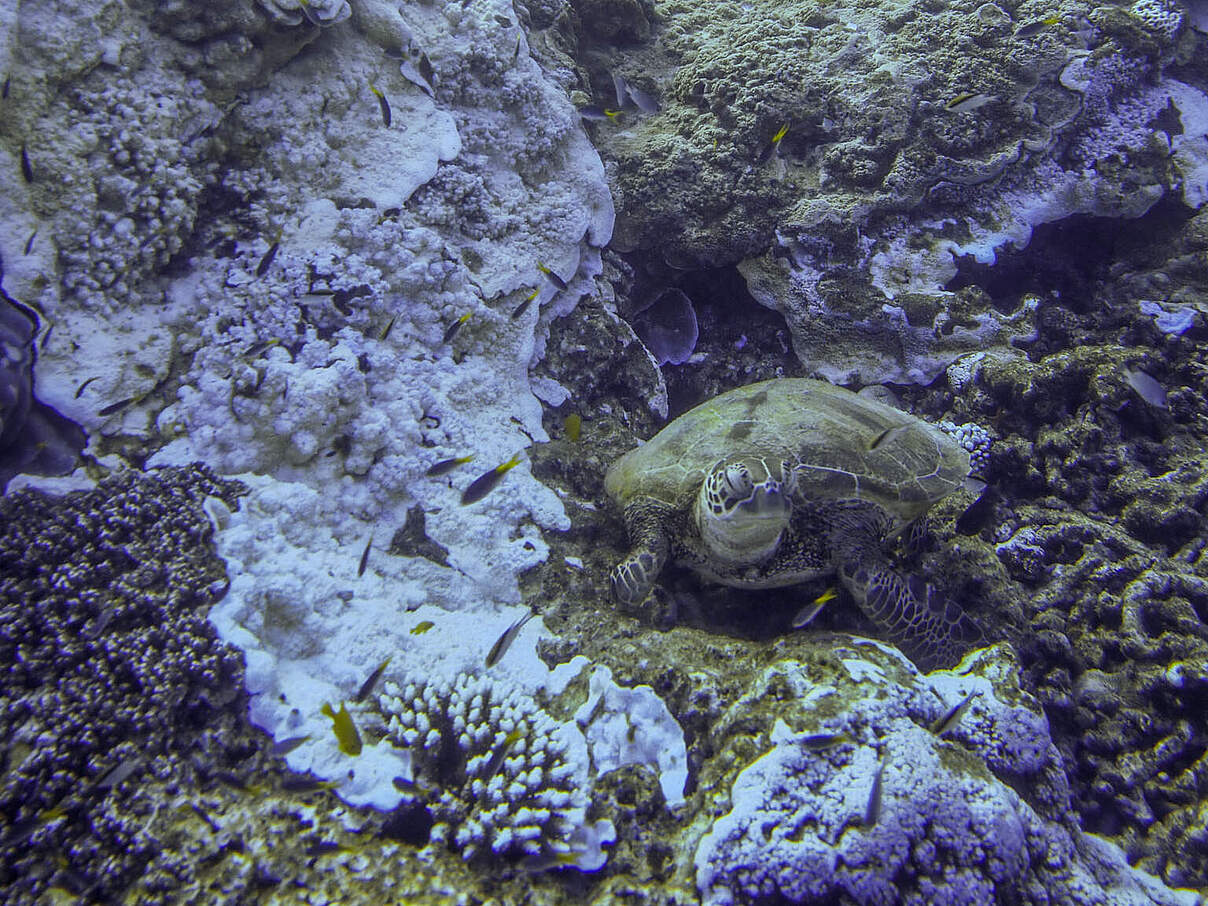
<point>931,630</point>
<point>633,578</point>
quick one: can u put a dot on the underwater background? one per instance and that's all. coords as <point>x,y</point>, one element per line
<point>323,321</point>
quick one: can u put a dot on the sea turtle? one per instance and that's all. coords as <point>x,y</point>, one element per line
<point>789,479</point>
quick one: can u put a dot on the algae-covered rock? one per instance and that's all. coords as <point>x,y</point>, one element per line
<point>849,778</point>
<point>848,156</point>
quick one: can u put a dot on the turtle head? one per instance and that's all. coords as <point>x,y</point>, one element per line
<point>742,509</point>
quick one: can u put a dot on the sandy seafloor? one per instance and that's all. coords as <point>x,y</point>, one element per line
<point>323,320</point>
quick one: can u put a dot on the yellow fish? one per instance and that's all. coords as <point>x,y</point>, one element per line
<point>346,731</point>
<point>573,426</point>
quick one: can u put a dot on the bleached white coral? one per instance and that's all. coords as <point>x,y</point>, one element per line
<point>499,773</point>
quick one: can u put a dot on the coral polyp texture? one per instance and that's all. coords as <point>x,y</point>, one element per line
<point>509,778</point>
<point>115,681</point>
<point>895,797</point>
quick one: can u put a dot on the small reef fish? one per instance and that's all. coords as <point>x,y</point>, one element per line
<point>365,557</point>
<point>421,627</point>
<point>1036,27</point>
<point>347,736</point>
<point>420,74</point>
<point>573,426</point>
<point>256,348</point>
<point>8,82</point>
<point>114,408</point>
<point>80,389</point>
<point>595,113</point>
<point>285,746</point>
<point>304,783</point>
<point>523,306</point>
<point>389,327</point>
<point>888,436</point>
<point>237,783</point>
<point>382,103</point>
<point>327,847</point>
<point>1146,387</point>
<point>371,681</point>
<point>267,260</point>
<point>952,718</point>
<point>120,773</point>
<point>27,170</point>
<point>806,615</point>
<point>29,243</point>
<point>626,92</point>
<point>445,466</point>
<point>485,483</point>
<point>872,811</point>
<point>504,642</point>
<point>451,332</point>
<point>773,147</point>
<point>504,21</point>
<point>818,742</point>
<point>967,102</point>
<point>501,753</point>
<point>551,276</point>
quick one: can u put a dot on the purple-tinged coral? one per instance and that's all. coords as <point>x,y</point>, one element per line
<point>113,675</point>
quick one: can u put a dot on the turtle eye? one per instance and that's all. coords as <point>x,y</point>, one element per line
<point>737,485</point>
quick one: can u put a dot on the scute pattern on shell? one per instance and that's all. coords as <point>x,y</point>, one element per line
<point>824,432</point>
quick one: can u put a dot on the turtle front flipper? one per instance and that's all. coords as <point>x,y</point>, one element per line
<point>633,578</point>
<point>914,615</point>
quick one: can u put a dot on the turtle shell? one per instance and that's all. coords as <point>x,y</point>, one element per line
<point>839,445</point>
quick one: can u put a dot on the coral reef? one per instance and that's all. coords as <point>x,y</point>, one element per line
<point>113,676</point>
<point>868,793</point>
<point>849,158</point>
<point>333,245</point>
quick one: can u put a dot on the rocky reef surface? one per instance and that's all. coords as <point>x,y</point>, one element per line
<point>322,302</point>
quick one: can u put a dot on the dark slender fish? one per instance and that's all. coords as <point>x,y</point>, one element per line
<point>8,81</point>
<point>528,300</point>
<point>267,260</point>
<point>285,746</point>
<point>817,742</point>
<point>445,466</point>
<point>872,812</point>
<point>389,327</point>
<point>501,646</point>
<point>80,389</point>
<point>888,435</point>
<point>367,686</point>
<point>485,483</point>
<point>120,773</point>
<point>551,276</point>
<point>365,557</point>
<point>114,408</point>
<point>304,784</point>
<point>29,243</point>
<point>27,170</point>
<point>454,328</point>
<point>382,103</point>
<point>952,718</point>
